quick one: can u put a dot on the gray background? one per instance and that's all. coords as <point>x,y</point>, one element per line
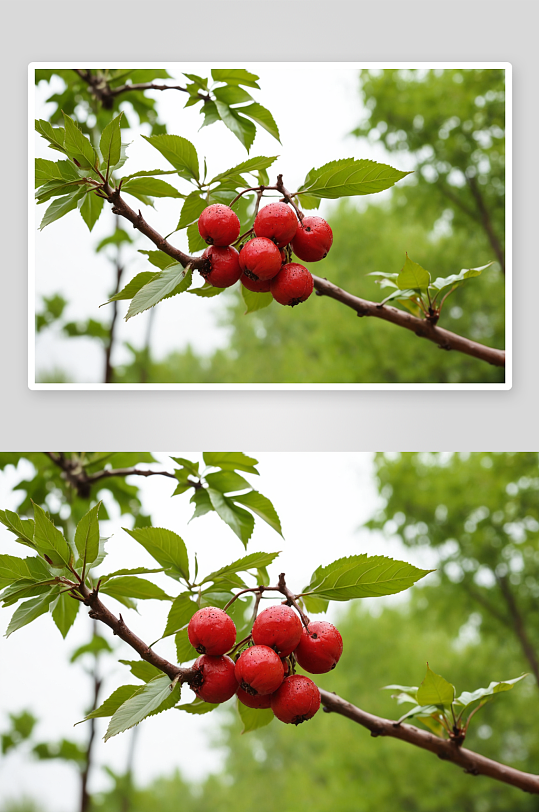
<point>291,30</point>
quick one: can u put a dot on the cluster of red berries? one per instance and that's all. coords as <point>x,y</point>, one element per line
<point>263,264</point>
<point>263,675</point>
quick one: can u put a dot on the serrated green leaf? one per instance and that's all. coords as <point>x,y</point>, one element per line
<point>198,706</point>
<point>182,610</point>
<point>13,568</point>
<point>61,206</point>
<point>401,296</point>
<point>110,143</point>
<point>420,711</point>
<point>97,645</point>
<point>457,279</point>
<point>262,116</point>
<point>25,588</point>
<point>254,718</point>
<point>240,521</point>
<point>49,540</point>
<point>178,151</point>
<point>210,113</point>
<point>413,276</point>
<point>87,536</point>
<point>118,237</point>
<point>247,562</point>
<point>184,649</point>
<point>195,241</point>
<point>232,94</point>
<point>207,291</point>
<point>227,481</point>
<point>46,171</point>
<point>65,612</point>
<point>59,188</point>
<point>137,707</point>
<point>350,176</point>
<point>141,669</point>
<point>251,165</point>
<point>435,690</point>
<point>191,210</point>
<point>262,506</point>
<point>29,611</point>
<point>363,576</point>
<point>242,127</point>
<point>130,586</point>
<point>466,698</point>
<point>197,80</point>
<point>191,467</point>
<point>91,208</point>
<point>315,605</point>
<point>234,76</point>
<point>165,546</point>
<point>23,528</point>
<point>127,571</point>
<point>132,287</point>
<point>231,461</point>
<point>158,258</point>
<point>202,503</point>
<point>54,135</point>
<point>169,283</point>
<point>78,145</point>
<point>115,701</point>
<point>153,187</point>
<point>255,301</point>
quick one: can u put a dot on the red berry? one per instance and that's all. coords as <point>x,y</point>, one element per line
<point>259,670</point>
<point>292,285</point>
<point>219,225</point>
<point>256,285</point>
<point>215,680</point>
<point>211,631</point>
<point>320,647</point>
<point>313,239</point>
<point>257,701</point>
<point>297,700</point>
<point>260,259</point>
<point>278,627</point>
<point>224,266</point>
<point>277,222</point>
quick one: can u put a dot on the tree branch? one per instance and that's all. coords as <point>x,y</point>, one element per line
<point>105,94</point>
<point>471,762</point>
<point>105,474</point>
<point>486,222</point>
<point>519,626</point>
<point>421,327</point>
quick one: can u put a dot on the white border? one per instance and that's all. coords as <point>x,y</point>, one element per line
<point>189,67</point>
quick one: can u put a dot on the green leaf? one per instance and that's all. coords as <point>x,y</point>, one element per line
<point>25,589</point>
<point>413,276</point>
<point>115,701</point>
<point>457,279</point>
<point>349,176</point>
<point>178,151</point>
<point>242,127</point>
<point>137,707</point>
<point>23,528</point>
<point>46,171</point>
<point>202,502</point>
<point>420,711</point>
<point>132,287</point>
<point>251,165</point>
<point>253,718</point>
<point>196,243</point>
<point>97,645</point>
<point>118,237</point>
<point>29,611</point>
<point>91,208</point>
<point>262,506</point>
<point>182,610</point>
<point>191,467</point>
<point>363,576</point>
<point>314,604</point>
<point>466,698</point>
<point>207,291</point>
<point>61,206</point>
<point>232,94</point>
<point>435,690</point>
<point>87,536</point>
<point>169,283</point>
<point>231,461</point>
<point>263,117</point>
<point>184,649</point>
<point>13,568</point>
<point>130,586</point>
<point>158,258</point>
<point>227,481</point>
<point>78,145</point>
<point>127,571</point>
<point>239,520</point>
<point>154,187</point>
<point>235,77</point>
<point>401,296</point>
<point>198,706</point>
<point>197,80</point>
<point>49,540</point>
<point>110,142</point>
<point>165,546</point>
<point>255,301</point>
<point>145,173</point>
<point>58,188</point>
<point>54,135</point>
<point>141,669</point>
<point>191,210</point>
<point>210,113</point>
<point>65,612</point>
<point>247,562</point>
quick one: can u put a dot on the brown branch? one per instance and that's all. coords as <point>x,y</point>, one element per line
<point>421,327</point>
<point>105,94</point>
<point>486,222</point>
<point>98,611</point>
<point>519,626</point>
<point>471,762</point>
<point>106,473</point>
<point>110,345</point>
<point>291,599</point>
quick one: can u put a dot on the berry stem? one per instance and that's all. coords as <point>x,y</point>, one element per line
<point>291,600</point>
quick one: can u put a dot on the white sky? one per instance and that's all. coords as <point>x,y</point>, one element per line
<point>322,499</point>
<point>315,108</point>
